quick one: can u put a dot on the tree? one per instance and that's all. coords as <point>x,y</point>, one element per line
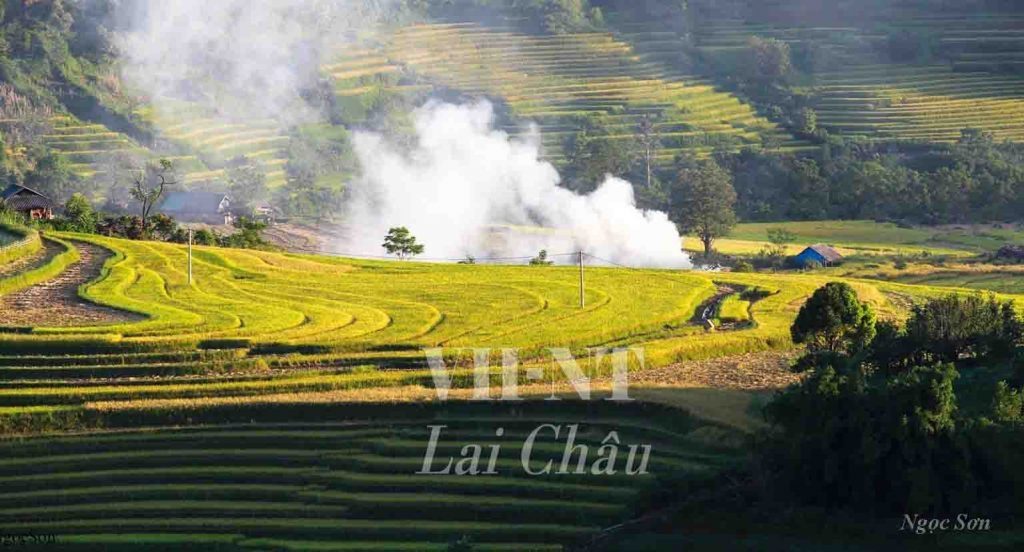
<point>148,185</point>
<point>774,255</point>
<point>592,153</point>
<point>703,200</point>
<point>834,320</point>
<point>806,121</point>
<point>304,196</point>
<point>649,141</point>
<point>248,236</point>
<point>247,186</point>
<point>163,227</point>
<point>781,236</point>
<point>52,175</point>
<point>204,236</point>
<point>845,440</point>
<point>79,214</point>
<point>541,259</point>
<point>402,243</point>
<point>768,60</point>
<point>950,327</point>
<point>558,16</point>
<point>124,226</point>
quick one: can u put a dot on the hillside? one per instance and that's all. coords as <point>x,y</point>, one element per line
<point>412,302</point>
<point>901,74</point>
<point>551,80</point>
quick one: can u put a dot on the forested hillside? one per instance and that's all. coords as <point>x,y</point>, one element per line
<point>907,110</point>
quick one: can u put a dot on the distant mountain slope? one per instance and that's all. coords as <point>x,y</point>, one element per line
<point>908,75</point>
<point>213,141</point>
<point>551,80</point>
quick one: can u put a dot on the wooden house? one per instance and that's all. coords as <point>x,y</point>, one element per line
<point>34,205</point>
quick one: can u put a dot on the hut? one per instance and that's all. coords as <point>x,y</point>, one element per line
<point>818,255</point>
<point>205,207</point>
<point>22,199</point>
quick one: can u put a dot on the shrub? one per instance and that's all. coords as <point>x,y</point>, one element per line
<point>834,320</point>
<point>743,266</point>
<point>1008,404</point>
<point>951,327</point>
<point>890,445</point>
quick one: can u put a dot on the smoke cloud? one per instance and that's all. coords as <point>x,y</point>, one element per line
<point>238,57</point>
<point>461,177</point>
<point>254,60</point>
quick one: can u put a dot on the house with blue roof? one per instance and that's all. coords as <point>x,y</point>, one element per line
<point>818,255</point>
<point>205,207</point>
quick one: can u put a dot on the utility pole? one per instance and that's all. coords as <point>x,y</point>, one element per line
<point>583,301</point>
<point>190,256</point>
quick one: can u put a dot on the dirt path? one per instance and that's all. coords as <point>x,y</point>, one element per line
<point>56,302</point>
<point>706,312</point>
<point>753,371</point>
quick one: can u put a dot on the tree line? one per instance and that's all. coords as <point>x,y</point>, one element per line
<point>974,180</point>
<point>880,425</point>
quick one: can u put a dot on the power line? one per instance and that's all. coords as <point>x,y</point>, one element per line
<point>433,259</point>
<point>647,271</point>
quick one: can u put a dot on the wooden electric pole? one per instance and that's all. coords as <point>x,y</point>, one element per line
<point>190,256</point>
<point>583,301</point>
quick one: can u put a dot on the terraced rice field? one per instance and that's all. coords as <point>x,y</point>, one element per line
<point>281,401</point>
<point>87,145</point>
<point>981,41</point>
<point>931,103</point>
<point>215,141</point>
<point>973,82</point>
<point>16,244</point>
<point>222,422</point>
<point>343,484</point>
<point>256,324</point>
<point>549,80</point>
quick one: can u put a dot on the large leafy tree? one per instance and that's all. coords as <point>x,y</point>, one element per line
<point>80,215</point>
<point>768,60</point>
<point>834,320</point>
<point>950,327</point>
<point>702,202</point>
<point>846,441</point>
<point>401,243</point>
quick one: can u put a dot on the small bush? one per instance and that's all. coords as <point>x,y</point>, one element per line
<point>743,266</point>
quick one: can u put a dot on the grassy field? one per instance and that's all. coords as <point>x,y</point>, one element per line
<point>868,237</point>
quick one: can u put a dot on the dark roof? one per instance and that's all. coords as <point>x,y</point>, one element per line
<point>827,252</point>
<point>193,202</point>
<point>23,198</point>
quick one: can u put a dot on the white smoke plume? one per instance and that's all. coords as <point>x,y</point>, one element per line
<point>462,176</point>
<point>241,58</point>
